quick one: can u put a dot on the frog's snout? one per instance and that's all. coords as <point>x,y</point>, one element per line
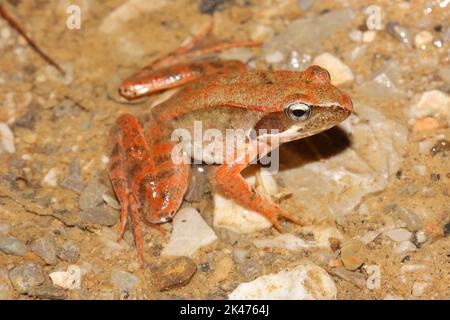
<point>347,103</point>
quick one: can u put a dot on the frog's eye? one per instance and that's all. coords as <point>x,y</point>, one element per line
<point>297,111</point>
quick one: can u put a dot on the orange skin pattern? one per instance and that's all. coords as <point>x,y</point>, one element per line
<point>150,186</point>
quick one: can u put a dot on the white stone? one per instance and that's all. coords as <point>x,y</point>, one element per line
<point>340,72</point>
<point>433,103</point>
<point>369,236</point>
<point>190,232</point>
<point>286,241</point>
<point>356,35</point>
<point>423,39</point>
<point>420,169</point>
<point>410,268</point>
<point>374,280</point>
<point>228,214</point>
<point>51,178</point>
<point>418,288</point>
<point>369,36</point>
<point>421,236</point>
<point>305,282</point>
<point>404,246</point>
<point>399,234</point>
<point>6,139</point>
<point>275,57</point>
<point>70,279</point>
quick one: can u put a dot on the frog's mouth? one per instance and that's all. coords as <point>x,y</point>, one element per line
<point>323,118</point>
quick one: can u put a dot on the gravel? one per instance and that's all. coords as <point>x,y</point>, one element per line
<point>26,276</point>
<point>13,246</point>
<point>46,249</point>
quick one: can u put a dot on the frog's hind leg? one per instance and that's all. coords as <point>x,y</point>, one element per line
<point>228,177</point>
<point>124,160</point>
<point>148,184</point>
<point>179,67</point>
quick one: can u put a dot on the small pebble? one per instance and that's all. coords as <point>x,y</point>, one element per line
<point>442,146</point>
<point>404,246</point>
<point>412,220</point>
<point>421,237</point>
<point>123,281</point>
<point>423,39</point>
<point>13,246</point>
<point>69,252</point>
<point>340,72</point>
<point>46,249</point>
<point>92,195</point>
<point>6,139</point>
<point>426,124</point>
<point>174,273</point>
<point>353,254</point>
<point>399,234</point>
<point>275,57</point>
<point>400,33</point>
<point>249,269</point>
<point>432,103</point>
<point>447,229</point>
<point>103,216</point>
<point>354,277</point>
<point>198,185</point>
<point>418,288</point>
<point>51,178</point>
<point>70,279</point>
<point>73,181</point>
<point>26,276</point>
<point>48,292</point>
<point>369,36</point>
<point>209,6</point>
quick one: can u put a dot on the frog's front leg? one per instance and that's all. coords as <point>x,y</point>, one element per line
<point>228,177</point>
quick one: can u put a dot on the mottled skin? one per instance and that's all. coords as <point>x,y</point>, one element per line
<point>151,186</point>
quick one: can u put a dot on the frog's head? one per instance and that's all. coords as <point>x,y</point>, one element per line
<point>314,106</point>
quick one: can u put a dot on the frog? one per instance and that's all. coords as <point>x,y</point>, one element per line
<point>270,107</point>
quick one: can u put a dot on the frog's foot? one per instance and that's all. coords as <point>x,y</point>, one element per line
<point>179,67</point>
<point>228,177</point>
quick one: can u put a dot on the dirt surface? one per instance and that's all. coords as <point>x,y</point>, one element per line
<point>61,127</point>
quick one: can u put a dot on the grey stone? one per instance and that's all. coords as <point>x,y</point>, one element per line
<point>92,195</point>
<point>46,249</point>
<point>14,246</point>
<point>412,220</point>
<point>26,276</point>
<point>69,252</point>
<point>250,269</point>
<point>48,292</point>
<point>73,181</point>
<point>123,281</point>
<point>104,216</point>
